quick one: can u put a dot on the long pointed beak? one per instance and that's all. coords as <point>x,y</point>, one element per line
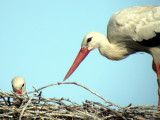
<point>80,57</point>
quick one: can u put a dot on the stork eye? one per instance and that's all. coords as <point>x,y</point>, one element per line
<point>89,39</point>
<point>23,85</point>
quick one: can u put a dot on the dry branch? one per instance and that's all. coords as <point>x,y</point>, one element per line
<point>38,107</point>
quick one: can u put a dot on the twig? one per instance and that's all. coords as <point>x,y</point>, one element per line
<point>25,107</point>
<point>59,83</point>
<point>74,103</point>
<point>39,97</point>
<point>5,94</point>
<point>53,108</point>
<point>5,100</point>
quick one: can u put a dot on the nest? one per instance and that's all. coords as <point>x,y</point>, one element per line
<point>36,107</point>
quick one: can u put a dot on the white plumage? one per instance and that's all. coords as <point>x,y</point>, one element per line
<point>134,29</point>
<point>137,23</point>
<point>19,85</point>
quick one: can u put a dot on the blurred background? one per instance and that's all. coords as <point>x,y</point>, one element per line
<point>39,41</point>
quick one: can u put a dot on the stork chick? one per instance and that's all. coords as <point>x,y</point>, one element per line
<point>19,85</point>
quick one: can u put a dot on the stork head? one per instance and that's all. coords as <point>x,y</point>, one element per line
<point>19,85</point>
<point>90,42</point>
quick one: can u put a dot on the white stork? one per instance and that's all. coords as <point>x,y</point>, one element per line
<point>131,30</point>
<point>19,85</point>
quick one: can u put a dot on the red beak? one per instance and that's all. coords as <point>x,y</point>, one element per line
<point>18,92</point>
<point>80,57</point>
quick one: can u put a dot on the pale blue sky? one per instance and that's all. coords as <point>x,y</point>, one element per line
<point>39,41</point>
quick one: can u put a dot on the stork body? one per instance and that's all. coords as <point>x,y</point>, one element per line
<point>131,30</point>
<point>19,85</point>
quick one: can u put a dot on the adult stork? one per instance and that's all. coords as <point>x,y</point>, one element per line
<point>19,85</point>
<point>131,30</point>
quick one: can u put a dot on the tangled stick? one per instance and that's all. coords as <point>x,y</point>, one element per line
<point>60,83</point>
<point>38,107</point>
